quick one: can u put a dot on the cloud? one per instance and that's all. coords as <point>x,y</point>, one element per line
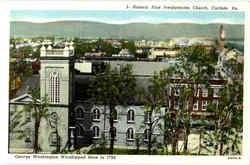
<point>224,21</point>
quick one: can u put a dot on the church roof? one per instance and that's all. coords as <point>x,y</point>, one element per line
<point>142,68</point>
<point>23,99</point>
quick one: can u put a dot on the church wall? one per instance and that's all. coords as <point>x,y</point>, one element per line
<point>49,127</point>
<point>122,126</point>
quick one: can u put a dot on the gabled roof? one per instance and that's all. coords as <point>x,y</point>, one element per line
<point>24,99</point>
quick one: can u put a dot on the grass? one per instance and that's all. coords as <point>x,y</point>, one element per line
<point>120,151</point>
<point>117,151</point>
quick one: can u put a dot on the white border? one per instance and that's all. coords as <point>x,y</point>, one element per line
<point>114,5</point>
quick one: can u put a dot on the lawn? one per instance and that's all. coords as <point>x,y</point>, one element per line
<point>117,151</point>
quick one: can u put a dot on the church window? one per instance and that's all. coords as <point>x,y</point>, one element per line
<point>79,131</point>
<point>131,115</point>
<point>80,113</point>
<point>96,132</point>
<point>96,114</point>
<point>130,134</point>
<point>54,87</point>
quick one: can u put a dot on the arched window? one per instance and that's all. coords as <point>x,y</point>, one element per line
<point>96,132</point>
<point>79,113</point>
<point>54,87</point>
<point>79,131</point>
<point>131,116</point>
<point>96,114</point>
<point>130,134</point>
<point>146,135</point>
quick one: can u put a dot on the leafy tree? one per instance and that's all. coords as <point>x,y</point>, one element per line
<point>228,115</point>
<point>13,52</point>
<point>38,108</point>
<point>112,88</point>
<point>195,69</point>
<point>26,50</point>
<point>154,97</point>
<point>18,71</point>
<point>81,49</point>
<point>36,54</point>
<point>130,45</point>
<point>15,119</point>
<point>107,47</point>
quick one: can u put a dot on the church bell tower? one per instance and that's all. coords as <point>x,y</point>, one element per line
<point>56,84</point>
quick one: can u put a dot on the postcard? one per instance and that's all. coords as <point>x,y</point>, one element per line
<point>126,82</point>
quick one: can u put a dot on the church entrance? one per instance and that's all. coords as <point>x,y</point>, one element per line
<point>82,123</point>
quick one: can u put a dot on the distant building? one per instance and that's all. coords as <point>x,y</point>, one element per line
<point>96,54</point>
<point>164,53</point>
<point>123,53</point>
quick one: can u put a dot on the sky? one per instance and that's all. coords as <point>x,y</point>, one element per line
<point>124,17</point>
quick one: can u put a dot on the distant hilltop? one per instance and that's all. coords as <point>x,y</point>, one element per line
<point>136,31</point>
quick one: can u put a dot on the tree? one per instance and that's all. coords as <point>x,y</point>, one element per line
<point>106,47</point>
<point>228,114</point>
<point>26,50</point>
<point>154,98</point>
<point>112,88</point>
<point>15,119</point>
<point>36,54</point>
<point>18,71</point>
<point>38,108</point>
<point>195,69</point>
<point>130,45</point>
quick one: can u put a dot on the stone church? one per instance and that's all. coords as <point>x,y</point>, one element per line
<point>74,121</point>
